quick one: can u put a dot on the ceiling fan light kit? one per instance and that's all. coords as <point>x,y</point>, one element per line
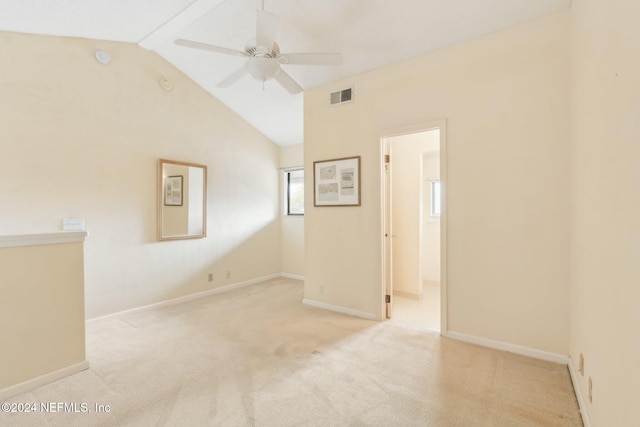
<point>263,56</point>
<point>262,69</point>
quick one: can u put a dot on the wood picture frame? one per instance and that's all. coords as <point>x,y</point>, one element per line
<point>336,182</point>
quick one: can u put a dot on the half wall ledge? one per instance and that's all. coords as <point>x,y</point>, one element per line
<point>42,284</point>
<point>42,239</point>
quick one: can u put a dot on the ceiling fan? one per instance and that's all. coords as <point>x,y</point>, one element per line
<point>264,57</point>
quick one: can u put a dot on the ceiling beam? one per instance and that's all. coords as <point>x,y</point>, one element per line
<point>183,19</point>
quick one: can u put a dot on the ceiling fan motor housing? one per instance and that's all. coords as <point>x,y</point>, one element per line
<point>253,50</point>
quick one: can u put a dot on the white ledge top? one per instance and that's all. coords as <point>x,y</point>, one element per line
<point>42,239</point>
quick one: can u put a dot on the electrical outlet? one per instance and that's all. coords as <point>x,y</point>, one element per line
<point>581,364</point>
<point>210,277</point>
<point>590,391</point>
<point>228,273</point>
<point>321,289</point>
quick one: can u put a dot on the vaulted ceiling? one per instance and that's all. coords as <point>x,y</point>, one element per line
<point>368,33</point>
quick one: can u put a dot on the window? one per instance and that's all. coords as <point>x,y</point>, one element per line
<point>436,205</point>
<point>294,186</point>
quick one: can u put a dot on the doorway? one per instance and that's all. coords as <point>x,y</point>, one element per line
<point>414,227</point>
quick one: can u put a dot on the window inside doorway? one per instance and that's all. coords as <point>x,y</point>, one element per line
<point>436,202</point>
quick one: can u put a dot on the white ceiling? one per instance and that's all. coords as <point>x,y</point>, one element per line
<point>368,33</point>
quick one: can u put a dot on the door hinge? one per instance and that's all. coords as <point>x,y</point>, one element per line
<point>387,158</point>
<point>387,299</point>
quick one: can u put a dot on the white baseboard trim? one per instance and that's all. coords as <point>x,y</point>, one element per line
<point>292,276</point>
<point>512,348</point>
<point>576,388</point>
<point>339,309</point>
<point>41,380</point>
<point>185,298</point>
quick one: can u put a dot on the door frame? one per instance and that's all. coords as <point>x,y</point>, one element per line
<point>386,255</point>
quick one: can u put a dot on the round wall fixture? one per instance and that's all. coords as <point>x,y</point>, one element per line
<point>166,83</point>
<point>103,56</point>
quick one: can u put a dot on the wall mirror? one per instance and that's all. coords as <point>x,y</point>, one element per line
<point>182,200</point>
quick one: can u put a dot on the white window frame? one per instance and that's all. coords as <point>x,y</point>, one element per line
<point>436,199</point>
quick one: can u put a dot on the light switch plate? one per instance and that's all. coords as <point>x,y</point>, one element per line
<point>73,224</point>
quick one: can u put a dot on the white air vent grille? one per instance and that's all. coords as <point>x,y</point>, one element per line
<point>341,97</point>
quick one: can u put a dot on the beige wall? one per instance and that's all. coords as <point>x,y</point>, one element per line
<point>81,139</point>
<point>292,227</point>
<point>505,97</point>
<point>605,207</point>
<point>42,311</point>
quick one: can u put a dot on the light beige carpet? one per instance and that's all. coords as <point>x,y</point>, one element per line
<point>257,356</point>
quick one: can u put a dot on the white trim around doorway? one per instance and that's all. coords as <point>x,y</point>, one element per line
<point>440,124</point>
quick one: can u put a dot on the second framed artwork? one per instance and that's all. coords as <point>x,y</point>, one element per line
<point>173,191</point>
<point>336,182</point>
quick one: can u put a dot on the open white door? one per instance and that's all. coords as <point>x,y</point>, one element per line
<point>403,263</point>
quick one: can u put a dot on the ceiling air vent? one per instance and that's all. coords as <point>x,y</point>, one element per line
<point>341,97</point>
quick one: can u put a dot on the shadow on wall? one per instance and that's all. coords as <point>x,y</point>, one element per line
<point>199,265</point>
<point>127,267</point>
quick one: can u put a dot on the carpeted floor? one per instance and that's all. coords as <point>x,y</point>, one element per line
<point>257,356</point>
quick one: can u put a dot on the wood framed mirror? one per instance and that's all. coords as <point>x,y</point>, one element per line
<point>182,200</point>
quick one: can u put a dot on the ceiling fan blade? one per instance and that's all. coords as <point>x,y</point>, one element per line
<point>266,30</point>
<point>311,58</point>
<point>288,83</point>
<point>210,48</point>
<point>237,75</point>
